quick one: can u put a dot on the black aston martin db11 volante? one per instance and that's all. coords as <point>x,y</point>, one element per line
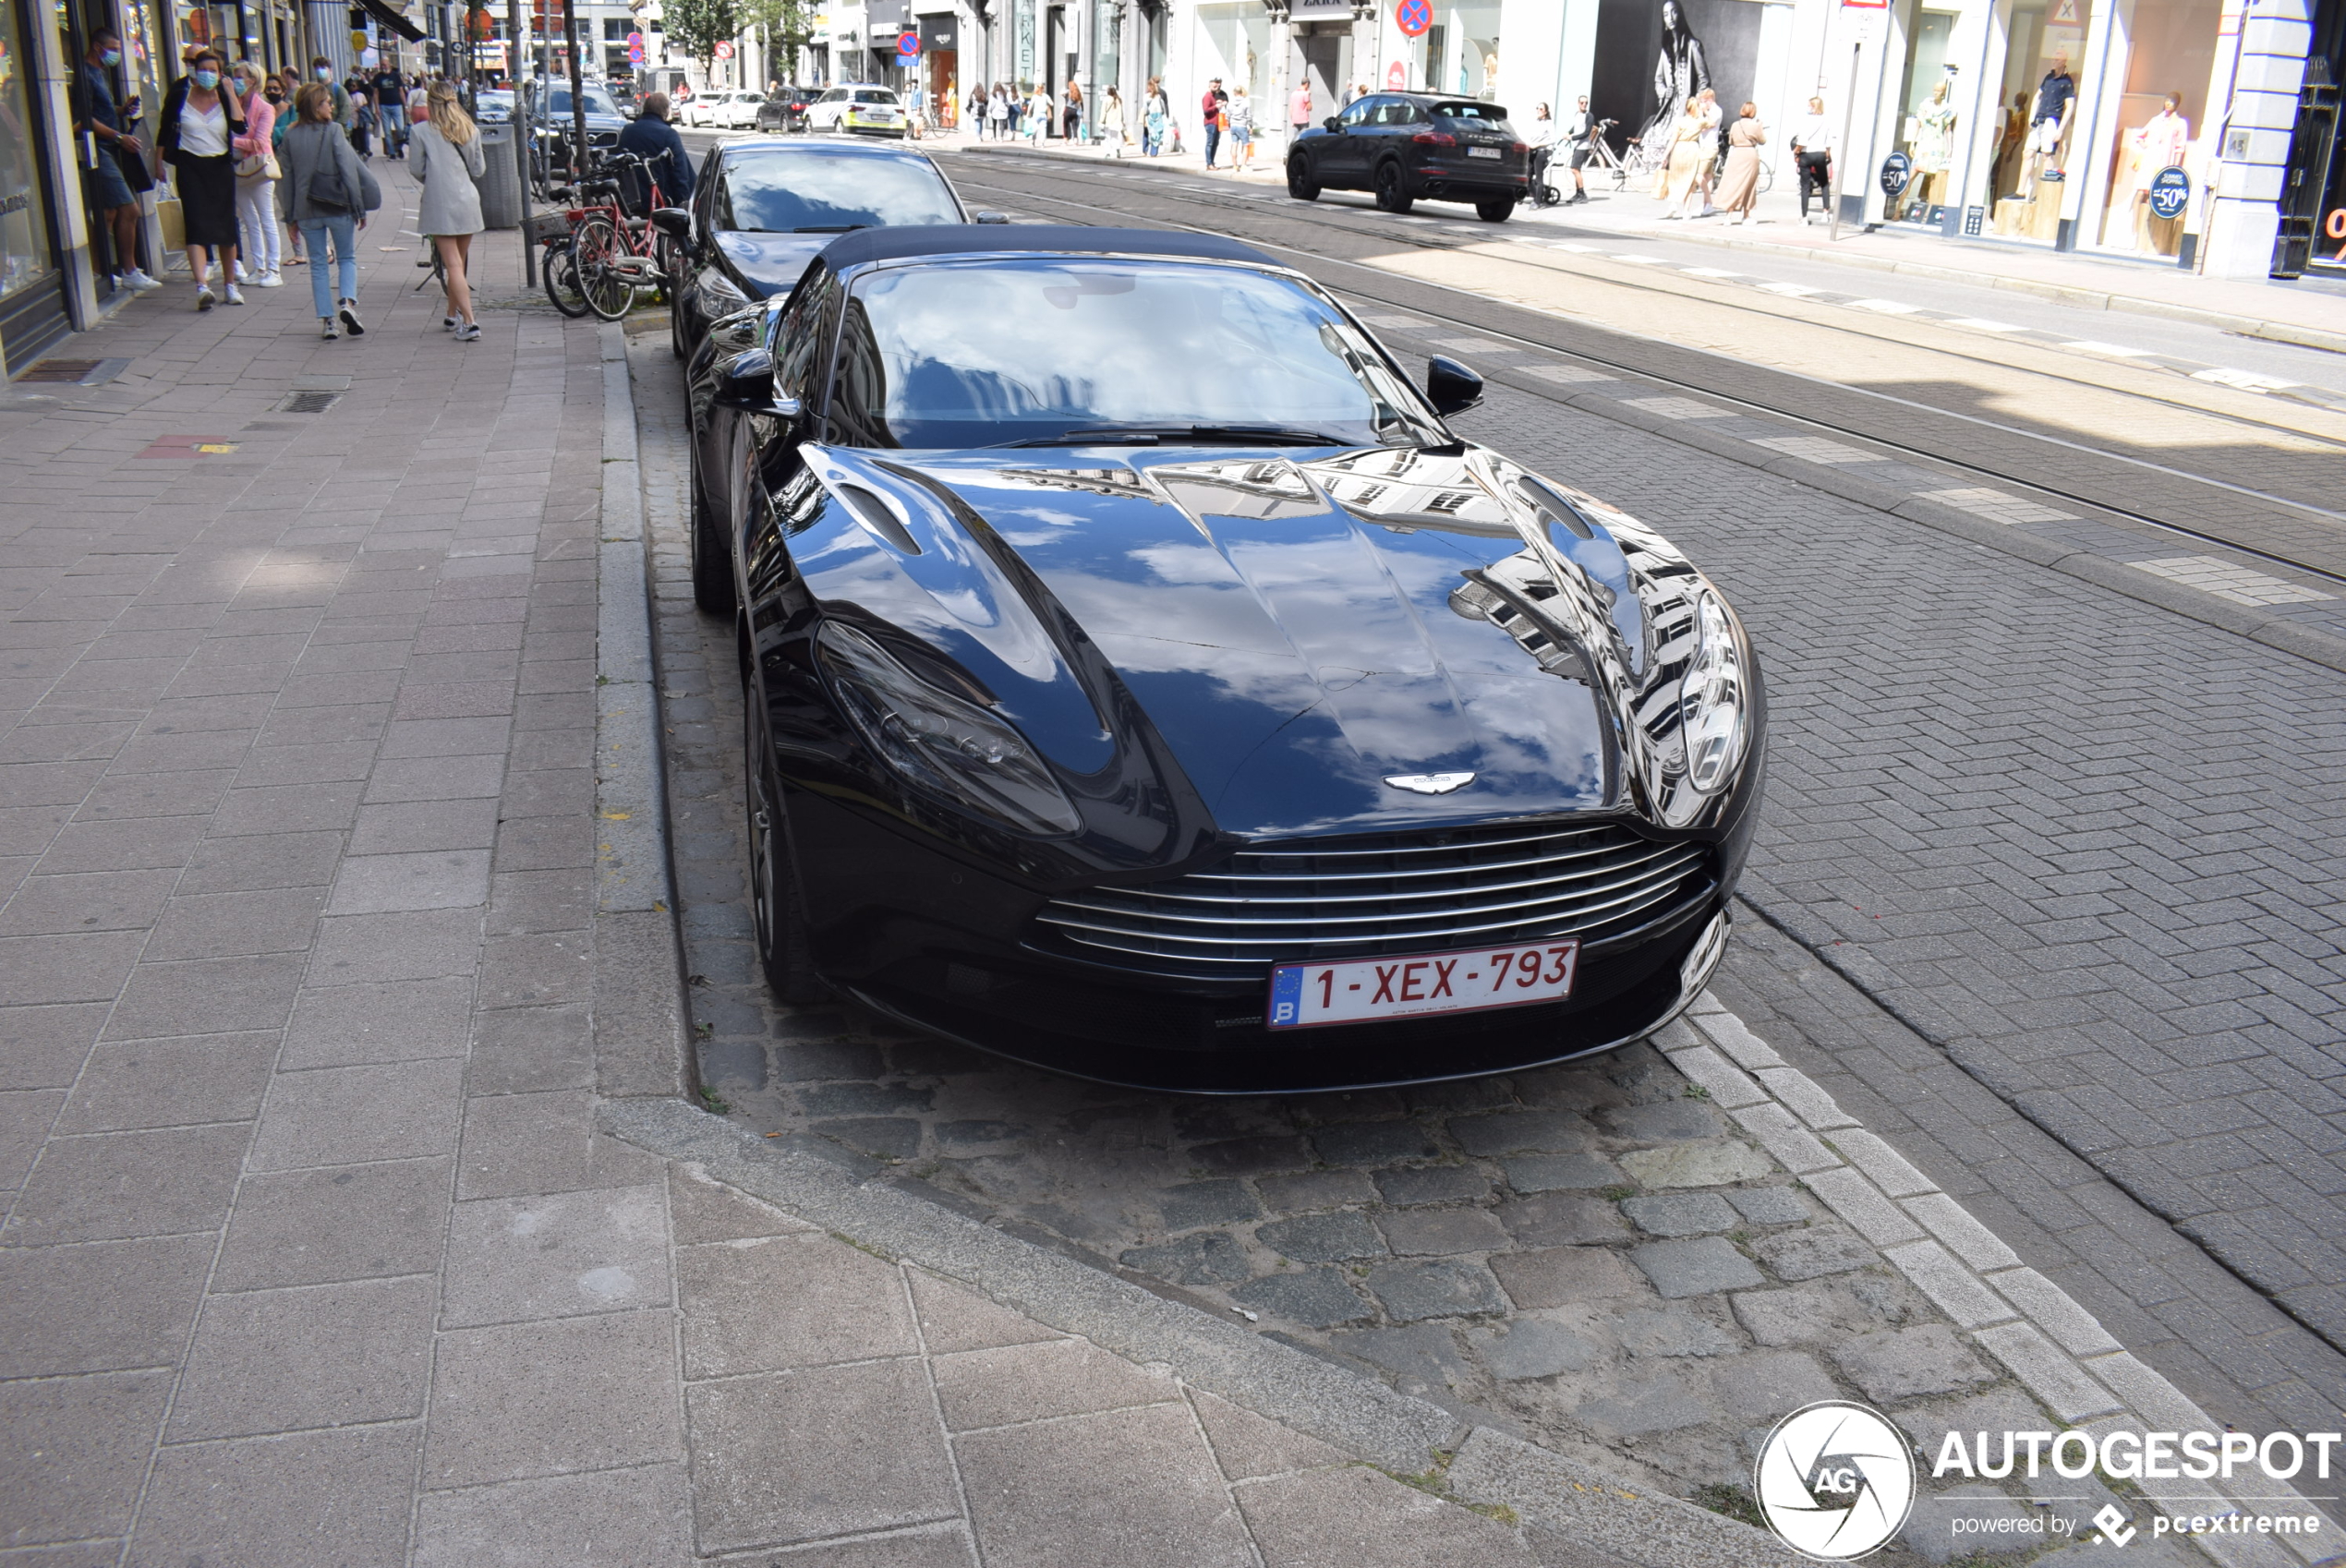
<point>1144,682</point>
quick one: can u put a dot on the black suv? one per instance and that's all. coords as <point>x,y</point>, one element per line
<point>1413,146</point>
<point>786,110</point>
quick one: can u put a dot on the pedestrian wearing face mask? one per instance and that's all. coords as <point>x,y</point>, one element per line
<point>202,119</point>
<point>257,172</point>
<point>116,134</point>
<point>322,70</point>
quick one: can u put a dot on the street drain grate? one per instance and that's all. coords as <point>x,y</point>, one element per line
<point>74,372</point>
<point>308,403</point>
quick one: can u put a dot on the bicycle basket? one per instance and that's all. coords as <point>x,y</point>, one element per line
<point>544,227</point>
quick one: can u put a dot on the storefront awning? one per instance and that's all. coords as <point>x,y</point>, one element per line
<point>393,20</point>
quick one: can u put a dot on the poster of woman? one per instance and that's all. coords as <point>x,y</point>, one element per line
<point>1652,55</point>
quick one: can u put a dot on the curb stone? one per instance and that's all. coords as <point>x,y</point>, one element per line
<point>642,1031</point>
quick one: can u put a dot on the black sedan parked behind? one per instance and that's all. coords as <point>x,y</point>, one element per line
<point>763,208</point>
<point>1414,145</point>
<point>1142,681</point>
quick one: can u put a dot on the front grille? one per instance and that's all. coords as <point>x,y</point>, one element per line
<point>1385,893</point>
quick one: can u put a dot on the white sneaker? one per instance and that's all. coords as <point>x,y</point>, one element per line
<point>137,281</point>
<point>234,297</point>
<point>269,280</point>
<point>239,268</point>
<point>204,301</point>
<point>350,321</point>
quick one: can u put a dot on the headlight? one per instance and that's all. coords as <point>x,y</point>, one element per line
<point>718,297</point>
<point>944,744</point>
<point>1712,698</point>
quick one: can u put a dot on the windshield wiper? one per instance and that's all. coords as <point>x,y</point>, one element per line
<point>1176,435</point>
<point>829,228</point>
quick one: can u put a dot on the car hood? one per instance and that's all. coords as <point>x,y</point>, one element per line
<point>1300,631</point>
<point>772,262</point>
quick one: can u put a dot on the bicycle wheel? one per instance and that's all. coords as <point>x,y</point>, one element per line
<point>596,249</point>
<point>558,267</point>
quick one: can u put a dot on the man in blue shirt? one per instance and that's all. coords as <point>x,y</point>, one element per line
<point>649,136</point>
<point>109,190</point>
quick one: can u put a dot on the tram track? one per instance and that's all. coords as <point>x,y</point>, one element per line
<point>2261,524</point>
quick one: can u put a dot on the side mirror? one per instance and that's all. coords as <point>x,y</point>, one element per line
<point>1332,125</point>
<point>747,382</point>
<point>1451,386</point>
<point>676,222</point>
<point>993,217</point>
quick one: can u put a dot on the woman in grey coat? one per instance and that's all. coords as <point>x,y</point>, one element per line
<point>447,157</point>
<point>326,191</point>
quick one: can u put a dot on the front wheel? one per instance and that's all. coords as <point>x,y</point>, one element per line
<point>1392,195</point>
<point>1498,209</point>
<point>713,587</point>
<point>598,249</point>
<point>1299,182</point>
<point>558,267</point>
<point>778,909</point>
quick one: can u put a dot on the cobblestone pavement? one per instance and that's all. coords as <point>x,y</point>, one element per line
<point>1592,1253</point>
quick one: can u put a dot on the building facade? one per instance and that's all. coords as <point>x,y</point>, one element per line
<point>2043,123</point>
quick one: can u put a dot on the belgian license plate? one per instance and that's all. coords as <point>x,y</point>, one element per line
<point>1471,981</point>
<point>1482,152</point>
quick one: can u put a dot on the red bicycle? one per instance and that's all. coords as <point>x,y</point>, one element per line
<point>597,253</point>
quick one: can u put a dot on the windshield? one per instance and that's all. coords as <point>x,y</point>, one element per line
<point>598,101</point>
<point>797,192</point>
<point>984,353</point>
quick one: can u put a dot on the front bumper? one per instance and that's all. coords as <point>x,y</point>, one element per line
<point>950,953</point>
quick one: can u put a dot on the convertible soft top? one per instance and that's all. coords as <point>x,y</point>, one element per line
<point>956,239</point>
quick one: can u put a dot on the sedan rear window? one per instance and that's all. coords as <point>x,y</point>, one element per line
<point>804,191</point>
<point>1040,349</point>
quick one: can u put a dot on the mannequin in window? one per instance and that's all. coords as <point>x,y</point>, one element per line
<point>2161,144</point>
<point>2011,148</point>
<point>2049,124</point>
<point>1935,146</point>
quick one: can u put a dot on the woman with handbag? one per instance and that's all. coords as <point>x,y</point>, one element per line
<point>202,119</point>
<point>323,193</point>
<point>448,160</point>
<point>256,173</point>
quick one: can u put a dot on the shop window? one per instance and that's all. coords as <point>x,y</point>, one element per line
<point>2042,110</point>
<point>26,256</point>
<point>2171,49</point>
<point>1928,117</point>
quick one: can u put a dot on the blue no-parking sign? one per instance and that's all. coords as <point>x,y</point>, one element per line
<point>908,48</point>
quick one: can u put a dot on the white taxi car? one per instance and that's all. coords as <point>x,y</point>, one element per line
<point>872,111</point>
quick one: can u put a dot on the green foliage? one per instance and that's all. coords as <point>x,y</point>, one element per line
<point>696,26</point>
<point>787,24</point>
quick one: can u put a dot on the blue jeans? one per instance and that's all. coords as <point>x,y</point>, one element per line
<point>346,232</point>
<point>1212,143</point>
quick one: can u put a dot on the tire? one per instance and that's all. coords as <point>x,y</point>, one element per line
<point>558,271</point>
<point>595,245</point>
<point>778,909</point>
<point>1391,195</point>
<point>1297,186</point>
<point>712,555</point>
<point>676,343</point>
<point>1498,209</point>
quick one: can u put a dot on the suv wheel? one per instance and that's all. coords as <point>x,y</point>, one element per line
<point>1495,210</point>
<point>1390,193</point>
<point>1299,182</point>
